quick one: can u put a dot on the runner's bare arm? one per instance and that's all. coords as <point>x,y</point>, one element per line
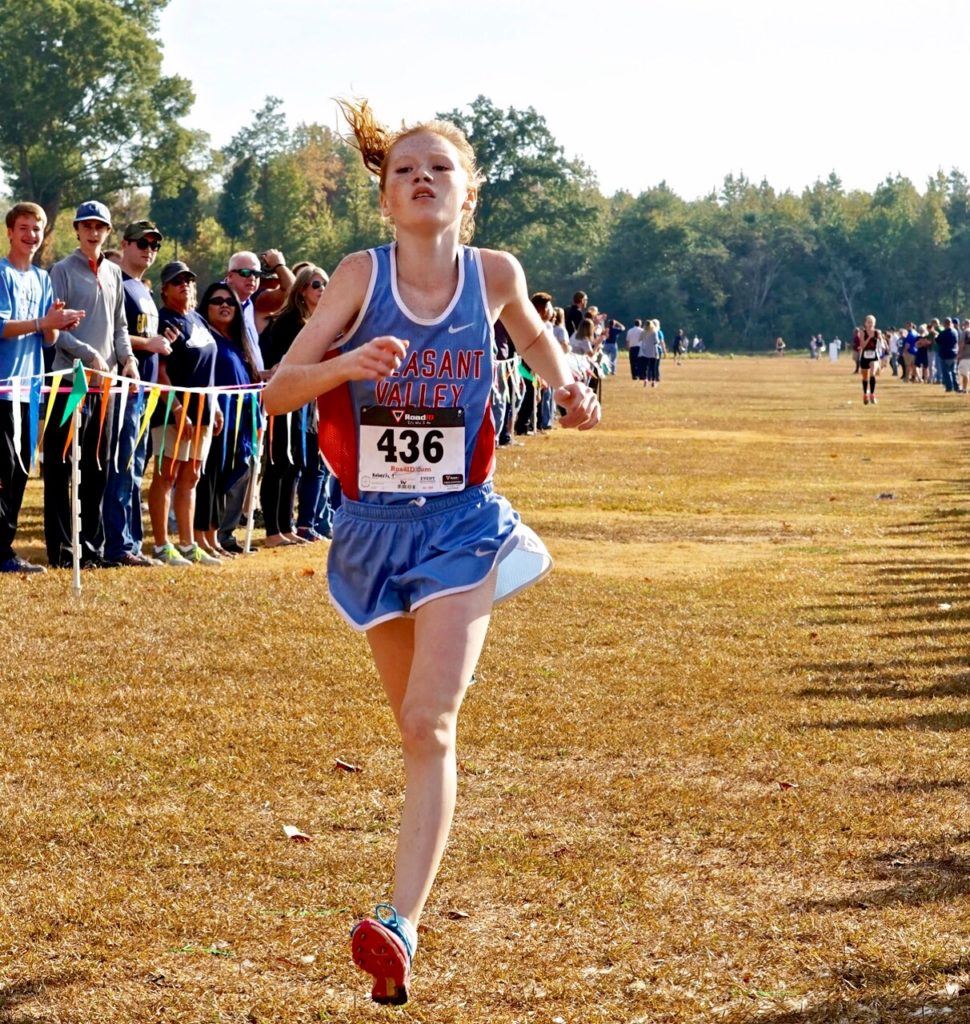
<point>303,374</point>
<point>508,298</point>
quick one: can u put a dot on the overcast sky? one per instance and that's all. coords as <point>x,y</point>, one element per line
<point>684,92</point>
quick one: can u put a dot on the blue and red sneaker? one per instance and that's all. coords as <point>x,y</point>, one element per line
<point>382,948</point>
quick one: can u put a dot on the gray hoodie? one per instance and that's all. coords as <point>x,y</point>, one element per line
<point>104,329</point>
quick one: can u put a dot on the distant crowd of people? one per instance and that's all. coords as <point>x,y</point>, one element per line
<point>522,403</point>
<point>936,352</point>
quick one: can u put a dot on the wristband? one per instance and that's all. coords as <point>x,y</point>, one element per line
<point>37,322</point>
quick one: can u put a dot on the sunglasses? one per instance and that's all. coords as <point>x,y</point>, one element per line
<point>317,284</point>
<point>221,300</point>
<point>181,279</point>
<point>144,244</point>
<point>247,272</point>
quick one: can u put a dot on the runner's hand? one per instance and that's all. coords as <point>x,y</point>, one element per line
<point>581,405</point>
<point>379,358</point>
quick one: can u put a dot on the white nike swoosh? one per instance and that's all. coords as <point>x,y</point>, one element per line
<point>455,330</point>
<point>480,553</point>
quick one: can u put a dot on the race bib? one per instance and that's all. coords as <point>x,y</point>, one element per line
<point>411,449</point>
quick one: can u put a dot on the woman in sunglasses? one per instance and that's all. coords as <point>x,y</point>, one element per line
<point>180,447</point>
<point>230,457</point>
<point>294,453</point>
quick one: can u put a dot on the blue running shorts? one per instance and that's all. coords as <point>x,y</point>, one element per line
<point>388,560</point>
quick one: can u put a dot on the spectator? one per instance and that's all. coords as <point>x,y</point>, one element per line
<point>294,449</point>
<point>947,344</point>
<point>611,347</point>
<point>126,463</point>
<point>963,357</point>
<point>88,282</point>
<point>190,364</point>
<point>575,313</point>
<point>559,329</point>
<point>29,319</point>
<point>633,336</point>
<point>651,348</point>
<point>506,388</point>
<point>230,459</point>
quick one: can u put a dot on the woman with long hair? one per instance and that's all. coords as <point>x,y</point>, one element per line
<point>294,450</point>
<point>400,351</point>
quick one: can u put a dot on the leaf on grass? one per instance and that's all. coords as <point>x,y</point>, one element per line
<point>308,959</point>
<point>456,915</point>
<point>292,832</point>
<point>787,785</point>
<point>813,636</point>
<point>944,607</point>
<point>346,766</point>
<point>308,571</point>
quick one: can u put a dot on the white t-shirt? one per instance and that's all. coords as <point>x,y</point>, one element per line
<point>633,336</point>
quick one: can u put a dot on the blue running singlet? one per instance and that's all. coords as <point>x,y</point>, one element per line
<point>428,428</point>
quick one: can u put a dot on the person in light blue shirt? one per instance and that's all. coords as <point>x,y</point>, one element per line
<point>29,319</point>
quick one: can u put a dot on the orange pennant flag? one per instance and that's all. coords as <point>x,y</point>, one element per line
<point>199,417</point>
<point>178,434</point>
<point>105,405</point>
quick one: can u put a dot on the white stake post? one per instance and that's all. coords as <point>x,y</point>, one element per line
<point>76,502</point>
<point>251,492</point>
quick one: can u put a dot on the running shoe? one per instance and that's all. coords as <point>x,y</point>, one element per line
<point>872,400</point>
<point>167,555</point>
<point>382,949</point>
<point>865,398</point>
<point>196,556</point>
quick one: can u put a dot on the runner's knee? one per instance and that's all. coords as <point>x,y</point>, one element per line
<point>426,731</point>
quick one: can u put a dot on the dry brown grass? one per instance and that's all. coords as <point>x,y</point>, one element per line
<point>716,768</point>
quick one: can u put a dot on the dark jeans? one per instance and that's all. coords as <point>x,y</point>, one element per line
<point>948,374</point>
<point>545,409</point>
<point>122,493</point>
<point>235,496</point>
<point>635,362</point>
<point>57,482</point>
<point>13,479</point>
<point>525,420</point>
<point>651,368</point>
<point>313,504</point>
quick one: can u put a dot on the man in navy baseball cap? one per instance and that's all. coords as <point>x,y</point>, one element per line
<point>93,210</point>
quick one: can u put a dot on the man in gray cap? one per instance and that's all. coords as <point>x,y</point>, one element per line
<point>86,281</point>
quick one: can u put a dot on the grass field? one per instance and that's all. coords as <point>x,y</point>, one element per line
<point>716,768</point>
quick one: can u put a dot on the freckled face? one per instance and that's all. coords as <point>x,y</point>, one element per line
<point>425,185</point>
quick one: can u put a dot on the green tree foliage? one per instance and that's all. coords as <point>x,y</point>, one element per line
<point>535,202</point>
<point>85,110</point>
<point>85,107</point>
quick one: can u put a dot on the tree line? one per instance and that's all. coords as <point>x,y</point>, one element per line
<point>85,111</point>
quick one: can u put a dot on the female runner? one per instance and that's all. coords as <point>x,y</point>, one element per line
<point>869,359</point>
<point>399,349</point>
